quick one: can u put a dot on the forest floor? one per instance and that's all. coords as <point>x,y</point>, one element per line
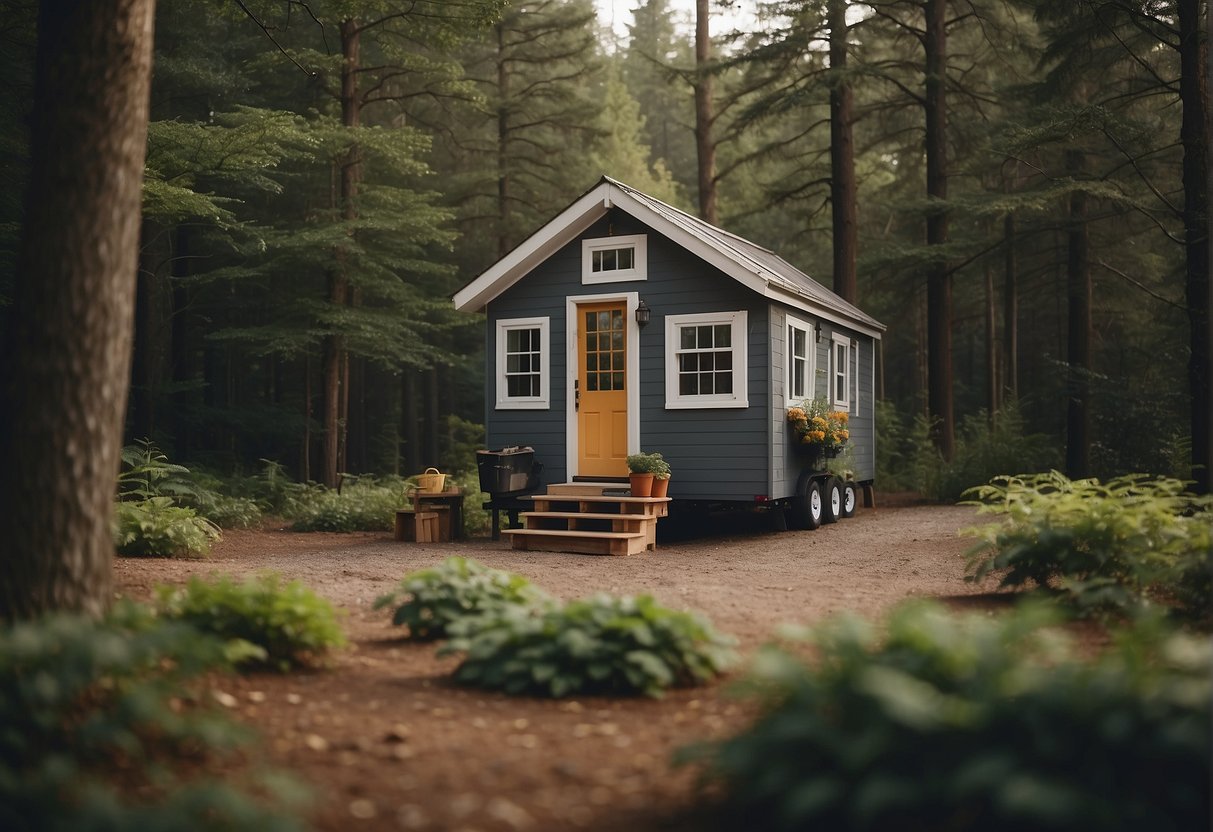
<point>384,740</point>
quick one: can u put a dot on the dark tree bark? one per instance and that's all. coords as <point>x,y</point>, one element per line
<point>1010,310</point>
<point>993,386</point>
<point>503,154</point>
<point>705,147</point>
<point>1078,332</point>
<point>939,278</point>
<point>336,361</point>
<point>1194,134</point>
<point>843,189</point>
<point>68,351</point>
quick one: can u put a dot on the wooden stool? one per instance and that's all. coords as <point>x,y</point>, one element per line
<point>417,526</point>
<point>427,526</point>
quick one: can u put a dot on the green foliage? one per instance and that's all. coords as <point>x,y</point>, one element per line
<point>907,460</point>
<point>89,708</point>
<point>230,512</point>
<point>642,463</point>
<point>604,645</point>
<point>156,528</point>
<point>146,472</point>
<point>429,601</point>
<point>361,504</point>
<point>969,722</point>
<point>476,520</point>
<point>287,623</point>
<point>1113,545</point>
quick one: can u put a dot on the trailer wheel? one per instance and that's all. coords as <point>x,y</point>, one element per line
<point>850,499</point>
<point>807,507</point>
<point>832,500</point>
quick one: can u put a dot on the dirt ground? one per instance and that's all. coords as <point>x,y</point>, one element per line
<point>385,741</point>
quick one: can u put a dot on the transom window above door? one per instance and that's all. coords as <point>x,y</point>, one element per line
<point>614,259</point>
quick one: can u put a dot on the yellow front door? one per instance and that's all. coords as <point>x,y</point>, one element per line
<point>602,410</point>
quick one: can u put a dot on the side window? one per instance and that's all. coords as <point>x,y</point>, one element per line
<point>614,259</point>
<point>798,360</point>
<point>523,364</point>
<point>840,372</point>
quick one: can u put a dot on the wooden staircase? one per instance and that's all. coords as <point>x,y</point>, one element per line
<point>580,517</point>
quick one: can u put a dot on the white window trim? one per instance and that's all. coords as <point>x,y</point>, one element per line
<point>740,396</point>
<point>640,261</point>
<point>543,400</point>
<point>810,359</point>
<point>844,340</point>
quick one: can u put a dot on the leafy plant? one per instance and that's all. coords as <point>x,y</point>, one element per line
<point>146,472</point>
<point>156,528</point>
<point>428,602</point>
<point>288,623</point>
<point>89,708</point>
<point>968,722</point>
<point>1116,544</point>
<point>363,504</point>
<point>604,645</point>
<point>642,463</point>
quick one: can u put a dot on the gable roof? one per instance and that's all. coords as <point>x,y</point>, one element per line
<point>753,266</point>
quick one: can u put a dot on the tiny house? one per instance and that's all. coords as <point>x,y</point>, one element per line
<point>626,324</point>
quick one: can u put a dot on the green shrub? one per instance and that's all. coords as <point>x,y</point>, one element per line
<point>430,600</point>
<point>364,504</point>
<point>907,459</point>
<point>230,512</point>
<point>146,472</point>
<point>1103,545</point>
<point>971,723</point>
<point>88,709</point>
<point>603,645</point>
<point>288,623</point>
<point>156,528</point>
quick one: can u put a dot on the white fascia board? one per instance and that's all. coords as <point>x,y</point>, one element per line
<point>798,302</point>
<point>534,250</point>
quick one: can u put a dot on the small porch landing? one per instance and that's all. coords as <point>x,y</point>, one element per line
<point>587,518</point>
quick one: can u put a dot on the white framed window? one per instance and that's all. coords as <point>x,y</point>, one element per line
<point>840,371</point>
<point>705,360</point>
<point>798,359</point>
<point>614,259</point>
<point>524,360</point>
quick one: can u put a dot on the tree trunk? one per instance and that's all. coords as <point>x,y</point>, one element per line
<point>705,147</point>
<point>65,394</point>
<point>1078,332</point>
<point>411,418</point>
<point>992,383</point>
<point>1010,310</point>
<point>503,138</point>
<point>939,279</point>
<point>843,189</point>
<point>336,362</point>
<point>1194,134</point>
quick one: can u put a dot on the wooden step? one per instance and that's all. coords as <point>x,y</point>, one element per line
<point>652,506</point>
<point>585,489</point>
<point>583,542</point>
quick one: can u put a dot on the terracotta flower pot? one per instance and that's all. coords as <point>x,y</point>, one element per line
<point>642,484</point>
<point>661,487</point>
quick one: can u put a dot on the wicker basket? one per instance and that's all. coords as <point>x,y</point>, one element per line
<point>431,482</point>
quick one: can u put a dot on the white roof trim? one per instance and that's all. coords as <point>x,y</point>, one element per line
<point>579,216</point>
<point>534,250</point>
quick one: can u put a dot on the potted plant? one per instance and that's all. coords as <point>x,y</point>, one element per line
<point>661,477</point>
<point>642,468</point>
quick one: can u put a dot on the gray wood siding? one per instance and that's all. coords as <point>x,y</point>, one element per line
<point>787,461</point>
